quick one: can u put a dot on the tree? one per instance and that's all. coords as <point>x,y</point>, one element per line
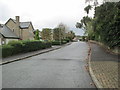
<point>87,9</point>
<point>37,35</point>
<point>70,35</point>
<point>87,23</point>
<point>56,34</point>
<point>95,2</point>
<point>83,23</point>
<point>88,1</point>
<point>107,18</point>
<point>79,25</point>
<point>46,34</point>
<point>62,29</point>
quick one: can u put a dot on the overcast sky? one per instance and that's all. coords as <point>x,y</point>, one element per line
<point>45,13</point>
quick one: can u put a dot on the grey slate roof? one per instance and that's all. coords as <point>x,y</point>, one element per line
<point>7,33</point>
<point>24,24</point>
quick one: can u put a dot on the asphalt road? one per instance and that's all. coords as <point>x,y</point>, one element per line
<point>62,68</point>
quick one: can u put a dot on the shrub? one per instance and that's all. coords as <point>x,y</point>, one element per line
<point>15,47</point>
<point>7,50</point>
<point>67,40</point>
<point>56,43</point>
<point>29,46</point>
<point>64,42</point>
<point>18,46</point>
<point>47,44</point>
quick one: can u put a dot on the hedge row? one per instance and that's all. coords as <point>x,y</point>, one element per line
<point>58,42</point>
<point>15,47</point>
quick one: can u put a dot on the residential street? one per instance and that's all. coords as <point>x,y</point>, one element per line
<point>76,46</point>
<point>62,68</point>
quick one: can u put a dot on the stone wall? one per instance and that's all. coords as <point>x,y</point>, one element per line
<point>10,24</point>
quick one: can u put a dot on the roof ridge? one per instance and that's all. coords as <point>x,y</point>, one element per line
<point>25,22</point>
<point>13,20</point>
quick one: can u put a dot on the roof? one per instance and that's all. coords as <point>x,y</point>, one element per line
<point>7,33</point>
<point>24,24</point>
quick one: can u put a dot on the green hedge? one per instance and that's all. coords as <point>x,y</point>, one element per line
<point>64,42</point>
<point>7,50</point>
<point>55,43</point>
<point>15,47</point>
<point>58,42</point>
<point>67,40</point>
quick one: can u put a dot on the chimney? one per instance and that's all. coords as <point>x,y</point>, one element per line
<point>17,31</point>
<point>17,19</point>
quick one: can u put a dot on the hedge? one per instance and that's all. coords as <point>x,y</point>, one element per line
<point>64,42</point>
<point>55,43</point>
<point>7,50</point>
<point>16,47</point>
<point>58,42</point>
<point>67,40</point>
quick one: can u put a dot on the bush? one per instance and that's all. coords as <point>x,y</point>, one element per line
<point>47,44</point>
<point>18,46</point>
<point>67,40</point>
<point>7,50</point>
<point>64,42</point>
<point>29,46</point>
<point>56,43</point>
<point>15,47</point>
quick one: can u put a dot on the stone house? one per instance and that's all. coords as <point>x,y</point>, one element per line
<point>24,30</point>
<point>6,35</point>
<point>20,30</point>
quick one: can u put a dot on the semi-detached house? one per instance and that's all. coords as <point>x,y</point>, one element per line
<point>13,29</point>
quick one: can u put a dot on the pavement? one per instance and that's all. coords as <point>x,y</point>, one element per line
<point>61,68</point>
<point>29,54</point>
<point>103,67</point>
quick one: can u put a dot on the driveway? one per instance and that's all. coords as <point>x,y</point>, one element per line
<point>62,68</point>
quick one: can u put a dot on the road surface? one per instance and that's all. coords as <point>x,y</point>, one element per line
<point>62,68</point>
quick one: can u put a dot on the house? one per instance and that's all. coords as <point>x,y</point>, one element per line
<point>24,30</point>
<point>14,29</point>
<point>6,35</point>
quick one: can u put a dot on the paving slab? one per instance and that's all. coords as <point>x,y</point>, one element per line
<point>104,66</point>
